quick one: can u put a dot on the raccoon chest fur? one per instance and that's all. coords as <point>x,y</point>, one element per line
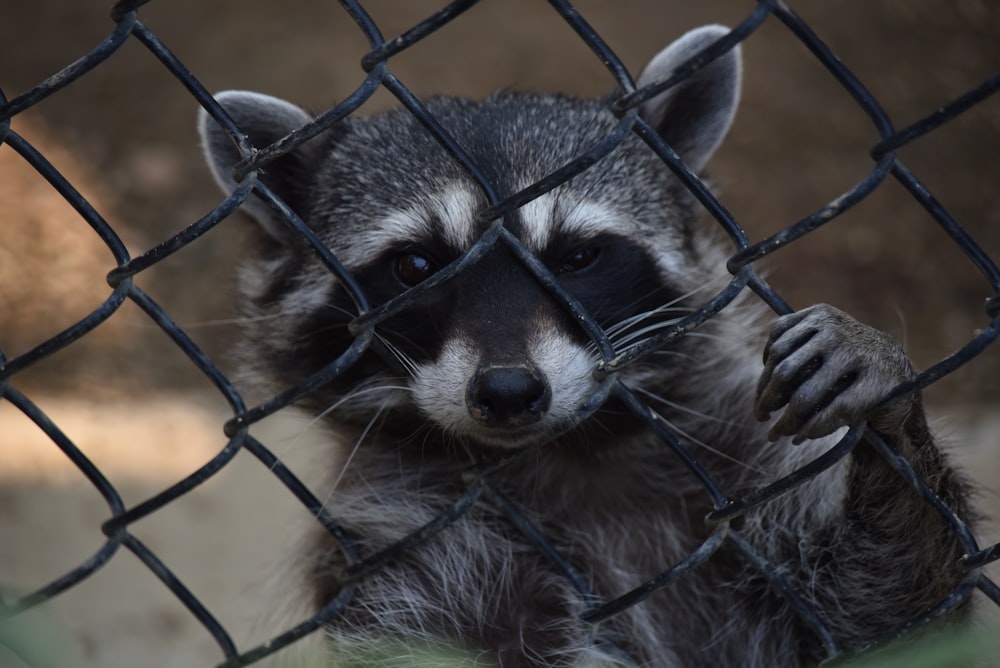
<point>484,587</point>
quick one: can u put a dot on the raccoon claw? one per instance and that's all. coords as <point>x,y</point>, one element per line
<point>827,371</point>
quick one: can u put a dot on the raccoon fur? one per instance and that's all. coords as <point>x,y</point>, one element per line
<point>489,363</point>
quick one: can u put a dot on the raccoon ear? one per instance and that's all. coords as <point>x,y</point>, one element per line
<point>693,116</point>
<point>264,119</point>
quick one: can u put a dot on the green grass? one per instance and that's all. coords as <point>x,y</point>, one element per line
<point>953,648</point>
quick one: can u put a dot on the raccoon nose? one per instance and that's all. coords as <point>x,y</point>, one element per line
<point>508,396</point>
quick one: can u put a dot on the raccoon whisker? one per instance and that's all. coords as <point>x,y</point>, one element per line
<point>404,339</point>
<point>626,343</point>
<point>672,306</point>
<point>644,333</point>
<point>355,448</point>
<point>715,451</point>
<point>673,353</point>
<point>679,299</point>
<point>632,321</point>
<point>336,326</point>
<point>426,430</point>
<point>405,361</point>
<point>371,388</point>
<point>664,324</point>
<point>632,340</point>
<point>249,320</point>
<point>706,446</point>
<point>304,337</point>
<point>354,394</point>
<point>620,337</point>
<point>676,354</point>
<point>699,334</point>
<point>242,320</point>
<point>681,407</point>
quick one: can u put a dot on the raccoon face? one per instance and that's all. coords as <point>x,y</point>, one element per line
<point>487,357</point>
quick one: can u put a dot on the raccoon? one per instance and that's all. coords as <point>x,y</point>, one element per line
<point>489,366</point>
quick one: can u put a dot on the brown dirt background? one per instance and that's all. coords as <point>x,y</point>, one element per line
<point>124,137</point>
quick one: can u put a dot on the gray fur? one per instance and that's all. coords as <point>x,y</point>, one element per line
<point>857,542</point>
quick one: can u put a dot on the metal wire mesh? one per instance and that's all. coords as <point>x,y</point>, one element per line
<point>117,532</point>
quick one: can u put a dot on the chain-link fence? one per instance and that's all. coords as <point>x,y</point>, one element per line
<point>376,64</point>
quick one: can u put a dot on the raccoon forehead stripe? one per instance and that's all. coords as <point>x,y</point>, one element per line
<point>537,220</point>
<point>589,219</point>
<point>549,215</point>
<point>448,214</point>
<point>455,209</point>
<point>391,230</point>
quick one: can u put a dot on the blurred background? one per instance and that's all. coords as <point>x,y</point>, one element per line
<point>124,136</point>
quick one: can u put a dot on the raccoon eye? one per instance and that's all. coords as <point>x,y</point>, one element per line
<point>579,260</point>
<point>411,268</point>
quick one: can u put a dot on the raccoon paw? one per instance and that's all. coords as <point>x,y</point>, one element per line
<point>828,370</point>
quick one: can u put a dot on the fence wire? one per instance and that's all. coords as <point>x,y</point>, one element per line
<point>117,528</point>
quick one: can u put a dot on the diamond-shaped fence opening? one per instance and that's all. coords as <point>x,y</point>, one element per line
<point>142,312</point>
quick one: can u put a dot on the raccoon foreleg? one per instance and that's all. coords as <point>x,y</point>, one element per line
<point>890,556</point>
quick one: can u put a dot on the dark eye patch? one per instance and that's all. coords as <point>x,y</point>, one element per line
<point>611,275</point>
